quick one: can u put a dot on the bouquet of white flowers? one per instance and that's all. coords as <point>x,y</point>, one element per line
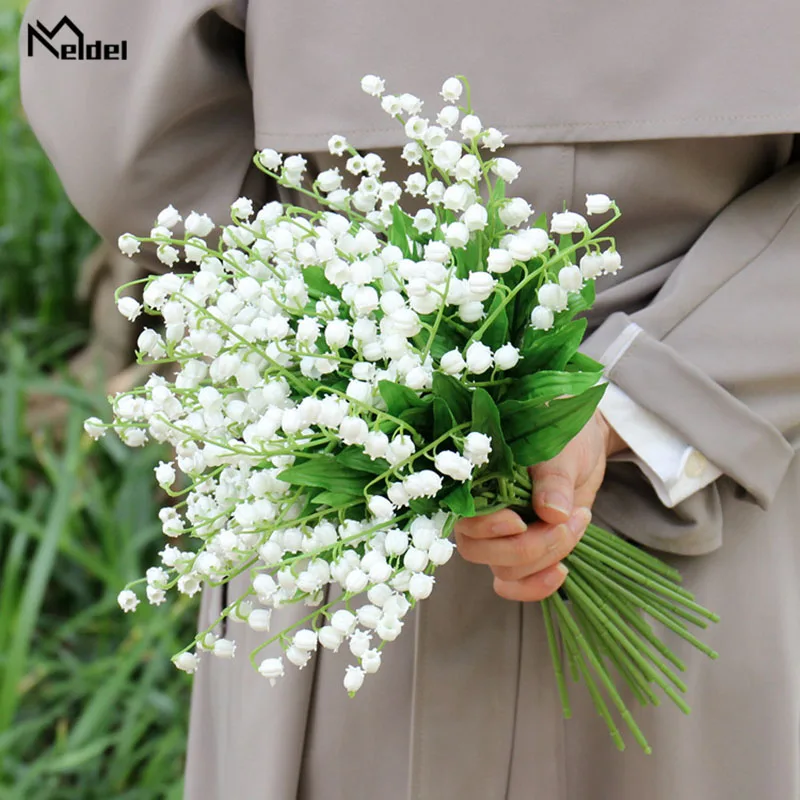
<point>350,379</point>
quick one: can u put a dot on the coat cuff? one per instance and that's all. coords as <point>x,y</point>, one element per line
<point>675,469</point>
<point>739,442</point>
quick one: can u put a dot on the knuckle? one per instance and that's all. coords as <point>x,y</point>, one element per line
<point>466,550</point>
<point>508,590</point>
<point>525,548</point>
<point>504,573</point>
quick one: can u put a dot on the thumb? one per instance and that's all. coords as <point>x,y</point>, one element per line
<point>554,488</point>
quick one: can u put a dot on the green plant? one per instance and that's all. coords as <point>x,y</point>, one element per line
<point>90,706</point>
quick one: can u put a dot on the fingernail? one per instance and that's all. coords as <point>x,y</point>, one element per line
<point>579,520</point>
<point>556,538</point>
<point>557,578</point>
<point>557,502</point>
<point>509,527</point>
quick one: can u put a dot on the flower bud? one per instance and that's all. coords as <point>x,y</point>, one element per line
<point>447,117</point>
<point>515,212</point>
<point>458,197</point>
<point>451,90</point>
<point>305,639</point>
<point>492,139</point>
<point>567,222</point>
<point>271,668</point>
<point>357,580</point>
<point>169,217</point>
<point>359,642</point>
<point>506,169</point>
<point>297,656</point>
<point>420,586</point>
<point>475,217</point>
<point>224,648</point>
<point>371,661</point>
<point>457,235</point>
<point>542,318</point>
<point>478,358</point>
<point>452,362</point>
<point>415,560</point>
<point>353,679</point>
<point>129,308</point>
<point>373,85</point>
<point>187,662</point>
<point>470,126</point>
<point>270,159</point>
<point>259,619</point>
<point>612,262</point>
<point>552,296</point>
<point>438,252</point>
<point>128,245</point>
<point>343,621</point>
<point>396,542</point>
<point>447,155</point>
<point>506,357</point>
<point>353,430</point>
<point>471,311</point>
<point>591,265</point>
<point>499,261</point>
<point>329,180</point>
<point>453,465</point>
<point>440,551</point>
<point>481,285</point>
<point>330,638</point>
<point>570,278</point>
<point>597,203</point>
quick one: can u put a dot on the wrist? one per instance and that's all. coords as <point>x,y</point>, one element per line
<point>614,442</point>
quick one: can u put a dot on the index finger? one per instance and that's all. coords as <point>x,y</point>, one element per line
<point>492,526</point>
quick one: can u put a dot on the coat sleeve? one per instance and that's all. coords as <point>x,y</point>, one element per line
<point>716,356</point>
<point>171,124</point>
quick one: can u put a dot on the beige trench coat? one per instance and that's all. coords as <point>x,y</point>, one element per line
<point>686,113</point>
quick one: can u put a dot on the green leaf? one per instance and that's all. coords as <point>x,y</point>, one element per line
<point>551,384</point>
<point>335,499</point>
<point>498,191</point>
<point>455,394</point>
<point>550,349</point>
<point>325,472</point>
<point>467,258</point>
<point>486,419</point>
<point>443,419</point>
<point>538,432</point>
<point>424,506</point>
<point>399,398</point>
<point>496,335</point>
<point>540,222</point>
<point>446,339</point>
<point>400,230</point>
<point>580,362</point>
<point>355,458</point>
<point>460,501</point>
<point>565,241</point>
<point>418,418</point>
<point>315,279</point>
<point>581,301</point>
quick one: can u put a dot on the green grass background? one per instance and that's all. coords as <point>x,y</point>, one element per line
<point>90,706</point>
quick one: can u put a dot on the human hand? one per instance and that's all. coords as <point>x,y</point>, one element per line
<point>526,559</point>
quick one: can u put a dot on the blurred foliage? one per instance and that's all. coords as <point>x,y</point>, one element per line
<point>90,705</point>
<point>42,238</point>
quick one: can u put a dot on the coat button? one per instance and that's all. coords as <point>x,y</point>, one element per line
<point>696,464</point>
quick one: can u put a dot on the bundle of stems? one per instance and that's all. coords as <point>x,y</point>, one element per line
<point>597,621</point>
